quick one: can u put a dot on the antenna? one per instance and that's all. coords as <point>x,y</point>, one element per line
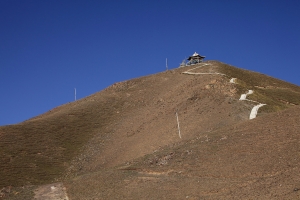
<point>167,63</point>
<point>75,93</point>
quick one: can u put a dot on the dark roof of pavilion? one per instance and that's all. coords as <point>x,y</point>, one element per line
<point>196,56</point>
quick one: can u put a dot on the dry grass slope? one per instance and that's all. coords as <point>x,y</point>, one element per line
<point>84,143</point>
<point>257,159</point>
<point>277,94</point>
<point>38,151</point>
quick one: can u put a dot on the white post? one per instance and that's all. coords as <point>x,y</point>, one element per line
<point>75,93</point>
<point>178,125</point>
<point>167,63</point>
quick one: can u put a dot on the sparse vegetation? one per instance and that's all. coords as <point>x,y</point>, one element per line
<point>86,143</point>
<point>275,93</point>
<point>38,151</point>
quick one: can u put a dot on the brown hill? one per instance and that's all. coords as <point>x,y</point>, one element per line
<point>134,122</point>
<point>257,159</point>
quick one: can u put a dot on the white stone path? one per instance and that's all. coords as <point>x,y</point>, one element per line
<point>254,110</point>
<point>243,97</point>
<point>202,65</point>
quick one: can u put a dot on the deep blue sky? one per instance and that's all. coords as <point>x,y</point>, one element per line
<point>50,47</point>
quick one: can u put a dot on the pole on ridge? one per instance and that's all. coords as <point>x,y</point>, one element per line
<point>167,63</point>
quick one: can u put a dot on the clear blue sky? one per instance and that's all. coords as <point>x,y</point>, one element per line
<point>50,47</point>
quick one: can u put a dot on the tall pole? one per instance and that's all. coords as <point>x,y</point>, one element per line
<point>75,93</point>
<point>178,124</point>
<point>167,63</point>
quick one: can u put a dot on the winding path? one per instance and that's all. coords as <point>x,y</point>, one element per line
<point>254,110</point>
<point>243,97</point>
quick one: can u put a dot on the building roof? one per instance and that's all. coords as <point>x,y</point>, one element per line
<point>196,56</point>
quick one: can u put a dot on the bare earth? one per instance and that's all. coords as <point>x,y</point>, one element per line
<point>55,191</point>
<point>123,142</point>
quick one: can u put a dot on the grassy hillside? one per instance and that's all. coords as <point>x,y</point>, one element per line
<point>277,94</point>
<point>89,138</point>
<point>39,150</point>
<point>256,159</point>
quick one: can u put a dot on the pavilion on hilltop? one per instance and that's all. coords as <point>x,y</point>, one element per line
<point>192,60</point>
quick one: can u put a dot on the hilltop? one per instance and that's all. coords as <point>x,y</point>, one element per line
<point>125,139</point>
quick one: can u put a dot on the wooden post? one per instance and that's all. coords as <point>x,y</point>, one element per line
<point>178,124</point>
